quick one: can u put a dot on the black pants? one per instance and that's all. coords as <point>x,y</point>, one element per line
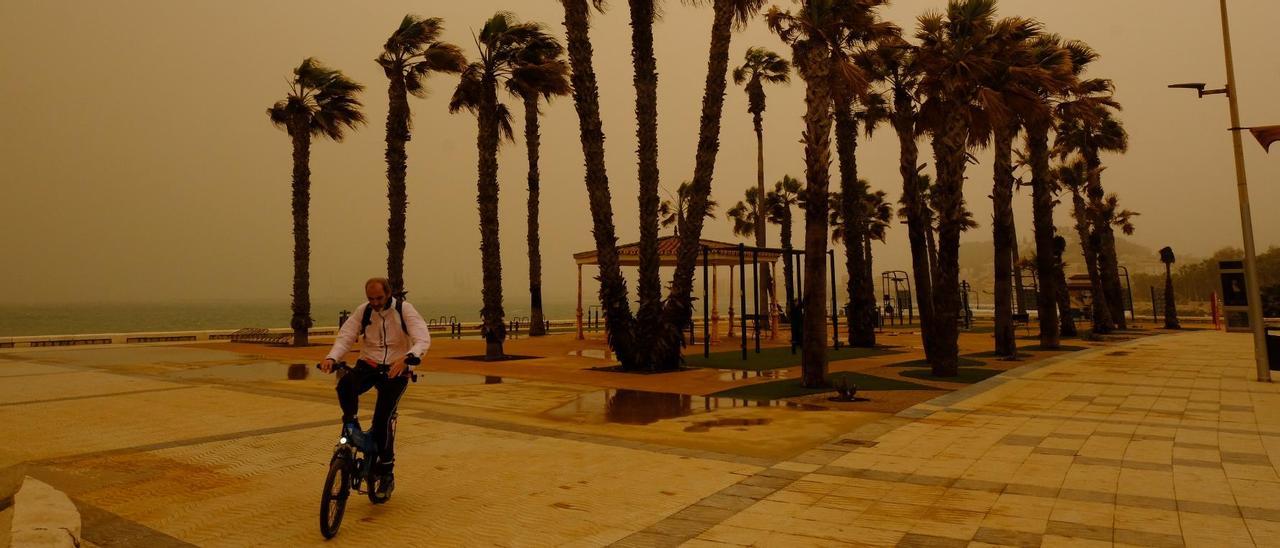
<point>358,381</point>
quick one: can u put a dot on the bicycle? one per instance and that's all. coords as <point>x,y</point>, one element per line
<point>351,466</point>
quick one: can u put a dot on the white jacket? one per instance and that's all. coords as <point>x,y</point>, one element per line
<point>384,340</point>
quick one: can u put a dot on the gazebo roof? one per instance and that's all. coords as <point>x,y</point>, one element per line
<point>719,253</point>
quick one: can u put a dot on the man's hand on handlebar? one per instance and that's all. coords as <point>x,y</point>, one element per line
<point>396,368</point>
<point>327,365</point>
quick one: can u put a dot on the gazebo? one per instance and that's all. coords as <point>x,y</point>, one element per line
<point>714,255</point>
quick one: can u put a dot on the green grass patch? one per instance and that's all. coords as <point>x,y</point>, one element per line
<point>922,363</point>
<point>775,358</point>
<point>967,375</point>
<point>790,388</point>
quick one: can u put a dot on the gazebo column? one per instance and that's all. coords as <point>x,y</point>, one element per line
<point>773,302</point>
<point>730,301</point>
<point>581,336</point>
<point>715,305</point>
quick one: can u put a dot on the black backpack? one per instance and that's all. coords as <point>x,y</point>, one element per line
<point>368,316</point>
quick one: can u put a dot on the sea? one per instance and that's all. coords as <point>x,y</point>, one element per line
<point>20,320</point>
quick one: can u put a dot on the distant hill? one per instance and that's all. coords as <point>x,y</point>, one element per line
<point>977,259</point>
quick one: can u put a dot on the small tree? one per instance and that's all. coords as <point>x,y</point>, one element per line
<point>1170,310</point>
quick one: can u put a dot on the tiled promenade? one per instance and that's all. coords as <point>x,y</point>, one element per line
<point>1161,441</point>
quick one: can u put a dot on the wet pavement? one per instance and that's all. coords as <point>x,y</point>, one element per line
<point>1159,442</point>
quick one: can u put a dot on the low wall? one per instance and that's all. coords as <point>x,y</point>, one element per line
<point>46,341</point>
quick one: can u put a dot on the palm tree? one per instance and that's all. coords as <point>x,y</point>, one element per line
<point>1170,309</point>
<point>672,211</point>
<point>726,16</point>
<point>760,66</point>
<point>894,64</point>
<point>321,102</point>
<point>878,227</point>
<point>1088,126</point>
<point>1114,218</point>
<point>1048,50</point>
<point>542,74</point>
<point>1074,176</point>
<point>957,55</point>
<point>778,204</point>
<point>508,50</point>
<point>858,28</point>
<point>809,32</point>
<point>410,55</point>
<point>874,226</point>
<point>1009,97</point>
<point>586,99</point>
<point>746,214</point>
<point>645,79</point>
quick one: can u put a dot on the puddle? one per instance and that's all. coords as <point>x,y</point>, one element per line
<point>738,374</point>
<point>305,372</point>
<point>589,353</point>
<point>706,426</point>
<point>639,407</point>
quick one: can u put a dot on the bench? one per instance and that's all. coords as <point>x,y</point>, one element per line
<point>259,335</point>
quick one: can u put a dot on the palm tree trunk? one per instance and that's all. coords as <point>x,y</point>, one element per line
<point>397,199</point>
<point>1042,215</point>
<point>679,306</point>
<point>766,283</point>
<point>917,220</point>
<point>494,325</point>
<point>1019,290</point>
<point>1111,277</point>
<point>1002,233</point>
<point>817,161</point>
<point>301,320</point>
<point>853,213</point>
<point>1170,307</point>
<point>932,239</point>
<point>586,99</point>
<point>1068,323</point>
<point>787,274</point>
<point>1108,266</point>
<point>949,150</point>
<point>866,252</point>
<point>537,326</point>
<point>645,80</point>
<point>1101,313</point>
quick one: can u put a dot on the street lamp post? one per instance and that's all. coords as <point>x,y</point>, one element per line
<point>1242,189</point>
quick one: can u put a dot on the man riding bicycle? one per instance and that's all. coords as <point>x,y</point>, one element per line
<point>395,339</point>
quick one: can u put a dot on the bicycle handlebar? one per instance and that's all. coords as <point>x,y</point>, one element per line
<point>382,368</point>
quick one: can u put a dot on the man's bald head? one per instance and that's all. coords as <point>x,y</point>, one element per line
<point>378,291</point>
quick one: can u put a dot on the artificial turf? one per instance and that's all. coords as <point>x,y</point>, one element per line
<point>967,375</point>
<point>774,358</point>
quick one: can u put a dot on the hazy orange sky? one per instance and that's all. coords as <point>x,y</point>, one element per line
<point>138,162</point>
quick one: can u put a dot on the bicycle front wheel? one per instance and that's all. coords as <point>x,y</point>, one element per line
<point>333,502</point>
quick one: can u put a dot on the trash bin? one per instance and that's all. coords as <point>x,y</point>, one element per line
<point>1273,348</point>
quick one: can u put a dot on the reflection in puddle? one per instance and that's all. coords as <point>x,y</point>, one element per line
<point>589,353</point>
<point>298,372</point>
<point>624,406</point>
<point>738,374</point>
<point>706,426</point>
<point>274,371</point>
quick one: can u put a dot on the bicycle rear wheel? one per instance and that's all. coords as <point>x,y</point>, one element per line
<point>333,502</point>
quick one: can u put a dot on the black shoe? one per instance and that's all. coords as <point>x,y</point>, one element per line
<point>386,484</point>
